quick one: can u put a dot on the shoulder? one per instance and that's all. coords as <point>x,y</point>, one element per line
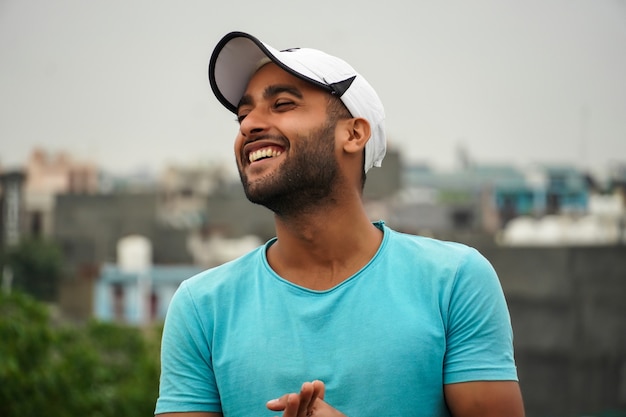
<point>431,250</point>
<point>444,265</point>
<point>214,289</point>
<point>222,279</point>
<point>228,272</point>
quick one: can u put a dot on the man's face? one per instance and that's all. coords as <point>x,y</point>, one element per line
<point>285,148</point>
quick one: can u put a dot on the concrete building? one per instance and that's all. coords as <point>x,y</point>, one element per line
<point>51,174</point>
<point>484,198</point>
<point>568,311</point>
<point>12,221</point>
<point>12,208</point>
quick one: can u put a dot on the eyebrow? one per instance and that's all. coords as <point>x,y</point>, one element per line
<point>271,91</point>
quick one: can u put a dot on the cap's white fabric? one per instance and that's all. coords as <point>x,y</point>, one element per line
<point>236,58</point>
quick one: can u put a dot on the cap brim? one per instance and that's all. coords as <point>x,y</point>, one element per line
<point>234,60</point>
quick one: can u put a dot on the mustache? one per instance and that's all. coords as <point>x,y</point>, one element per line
<point>265,136</point>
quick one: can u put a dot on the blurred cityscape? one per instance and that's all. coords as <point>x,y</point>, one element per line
<point>555,234</point>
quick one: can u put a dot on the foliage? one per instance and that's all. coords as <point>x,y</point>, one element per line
<point>97,370</point>
<point>36,264</point>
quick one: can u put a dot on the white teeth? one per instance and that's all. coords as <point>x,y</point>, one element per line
<point>263,153</point>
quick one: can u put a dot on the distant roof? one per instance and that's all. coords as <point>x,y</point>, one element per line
<point>474,177</point>
<point>501,177</point>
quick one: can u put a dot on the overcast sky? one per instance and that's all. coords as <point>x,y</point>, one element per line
<point>124,83</point>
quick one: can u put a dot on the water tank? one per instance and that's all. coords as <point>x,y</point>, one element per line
<point>520,231</point>
<point>134,253</point>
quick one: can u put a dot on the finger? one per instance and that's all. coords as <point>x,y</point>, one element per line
<point>278,404</point>
<point>293,403</point>
<point>319,389</point>
<point>307,397</point>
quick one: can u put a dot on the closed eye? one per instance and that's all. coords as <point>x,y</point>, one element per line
<point>283,105</point>
<point>241,114</point>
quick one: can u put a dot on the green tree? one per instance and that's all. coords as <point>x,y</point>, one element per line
<point>36,265</point>
<point>98,369</point>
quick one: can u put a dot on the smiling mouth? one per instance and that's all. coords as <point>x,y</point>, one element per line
<point>264,153</point>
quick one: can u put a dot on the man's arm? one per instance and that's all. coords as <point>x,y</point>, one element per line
<point>187,379</point>
<point>484,399</point>
<point>192,414</point>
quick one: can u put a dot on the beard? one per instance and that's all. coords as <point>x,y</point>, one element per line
<point>303,180</point>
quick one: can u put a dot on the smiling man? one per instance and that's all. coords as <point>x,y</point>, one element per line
<point>335,316</point>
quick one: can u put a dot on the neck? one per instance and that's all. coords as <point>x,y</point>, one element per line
<point>322,248</point>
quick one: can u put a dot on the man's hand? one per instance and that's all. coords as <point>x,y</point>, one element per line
<point>308,403</point>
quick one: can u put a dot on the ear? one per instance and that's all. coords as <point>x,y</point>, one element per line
<point>355,133</point>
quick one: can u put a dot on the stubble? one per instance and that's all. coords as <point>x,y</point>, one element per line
<point>303,180</point>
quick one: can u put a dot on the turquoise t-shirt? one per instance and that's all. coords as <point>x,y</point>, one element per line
<point>422,313</point>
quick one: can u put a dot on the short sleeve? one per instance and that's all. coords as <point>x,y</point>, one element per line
<point>187,381</point>
<point>479,338</point>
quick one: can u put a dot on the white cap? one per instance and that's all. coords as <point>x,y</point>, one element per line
<point>236,58</point>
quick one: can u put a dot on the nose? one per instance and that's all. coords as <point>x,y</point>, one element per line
<point>254,122</point>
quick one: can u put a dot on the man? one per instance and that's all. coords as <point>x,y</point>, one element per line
<point>336,316</point>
